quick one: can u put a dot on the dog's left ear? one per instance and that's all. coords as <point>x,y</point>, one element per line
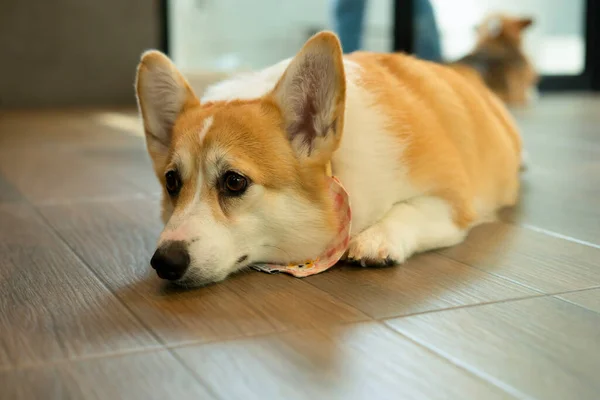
<point>162,94</point>
<point>311,95</point>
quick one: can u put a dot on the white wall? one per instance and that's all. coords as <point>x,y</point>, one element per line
<point>241,34</point>
<point>232,34</point>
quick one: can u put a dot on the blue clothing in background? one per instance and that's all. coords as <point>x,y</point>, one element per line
<point>427,35</point>
<point>348,20</point>
<point>348,23</point>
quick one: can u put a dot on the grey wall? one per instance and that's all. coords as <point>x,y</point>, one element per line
<point>73,52</point>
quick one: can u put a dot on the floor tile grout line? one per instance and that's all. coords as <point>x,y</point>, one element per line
<point>559,235</point>
<point>150,331</point>
<point>371,317</point>
<point>574,290</point>
<point>504,278</point>
<point>169,348</point>
<point>463,306</point>
<point>551,233</point>
<point>480,375</point>
<point>539,293</point>
<point>513,299</point>
<point>175,348</point>
<point>182,345</point>
<point>342,301</point>
<point>191,343</point>
<point>89,357</point>
<point>557,296</point>
<point>576,304</point>
<point>194,375</point>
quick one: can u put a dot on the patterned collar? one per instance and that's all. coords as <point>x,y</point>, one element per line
<point>338,245</point>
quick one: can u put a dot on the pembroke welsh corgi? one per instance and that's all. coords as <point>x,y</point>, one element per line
<point>423,153</point>
<point>499,59</point>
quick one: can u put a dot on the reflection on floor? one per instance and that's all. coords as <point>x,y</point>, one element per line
<point>514,312</point>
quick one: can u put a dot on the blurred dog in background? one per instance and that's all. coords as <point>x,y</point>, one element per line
<point>498,58</point>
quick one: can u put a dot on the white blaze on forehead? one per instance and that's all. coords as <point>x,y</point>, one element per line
<point>180,225</point>
<point>205,128</point>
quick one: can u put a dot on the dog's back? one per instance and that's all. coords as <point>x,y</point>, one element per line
<point>461,143</point>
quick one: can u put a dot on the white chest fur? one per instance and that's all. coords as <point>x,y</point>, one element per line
<point>369,160</point>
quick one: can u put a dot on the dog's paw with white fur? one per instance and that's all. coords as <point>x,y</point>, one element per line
<point>373,248</point>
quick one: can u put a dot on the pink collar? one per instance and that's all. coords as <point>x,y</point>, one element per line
<point>336,248</point>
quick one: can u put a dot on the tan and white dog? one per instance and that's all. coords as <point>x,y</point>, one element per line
<point>424,153</point>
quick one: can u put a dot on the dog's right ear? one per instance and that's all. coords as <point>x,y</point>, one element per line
<point>162,95</point>
<point>311,95</point>
<point>525,23</point>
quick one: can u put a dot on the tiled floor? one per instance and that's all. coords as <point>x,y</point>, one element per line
<point>514,312</point>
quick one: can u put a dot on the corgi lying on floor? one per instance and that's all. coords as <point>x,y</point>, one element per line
<point>424,153</point>
<point>499,59</point>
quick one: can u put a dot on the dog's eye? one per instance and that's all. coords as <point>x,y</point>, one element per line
<point>173,183</point>
<point>234,184</point>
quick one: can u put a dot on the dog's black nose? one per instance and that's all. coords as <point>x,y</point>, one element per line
<point>171,260</point>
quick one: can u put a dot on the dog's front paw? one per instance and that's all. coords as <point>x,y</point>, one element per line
<point>372,248</point>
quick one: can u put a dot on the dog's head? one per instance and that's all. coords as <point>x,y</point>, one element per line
<point>498,27</point>
<point>508,71</point>
<point>243,181</point>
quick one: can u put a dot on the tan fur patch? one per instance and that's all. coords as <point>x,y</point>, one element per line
<point>457,137</point>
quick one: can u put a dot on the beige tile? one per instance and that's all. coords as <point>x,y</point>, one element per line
<point>64,175</point>
<point>154,375</point>
<point>562,185</point>
<point>51,306</point>
<point>8,193</point>
<point>541,348</point>
<point>70,155</point>
<point>589,299</point>
<point>532,258</point>
<point>364,361</point>
<point>62,129</point>
<point>425,283</point>
<point>53,309</point>
<point>117,239</point>
<point>543,205</point>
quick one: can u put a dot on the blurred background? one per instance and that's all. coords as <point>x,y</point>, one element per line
<point>73,52</point>
<point>511,313</point>
<point>208,35</point>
